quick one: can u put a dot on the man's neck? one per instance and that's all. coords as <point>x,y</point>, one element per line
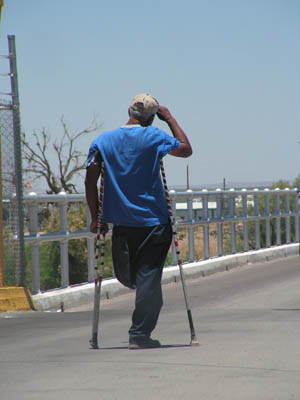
<point>133,121</point>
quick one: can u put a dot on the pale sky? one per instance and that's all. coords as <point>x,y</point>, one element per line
<point>228,70</point>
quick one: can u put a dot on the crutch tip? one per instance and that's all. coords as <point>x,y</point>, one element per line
<point>194,342</point>
<point>93,345</point>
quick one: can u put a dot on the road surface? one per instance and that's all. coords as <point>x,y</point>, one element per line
<point>247,322</point>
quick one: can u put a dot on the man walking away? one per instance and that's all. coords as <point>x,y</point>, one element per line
<point>134,203</point>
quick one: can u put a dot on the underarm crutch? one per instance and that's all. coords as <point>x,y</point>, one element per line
<point>98,278</point>
<point>194,341</point>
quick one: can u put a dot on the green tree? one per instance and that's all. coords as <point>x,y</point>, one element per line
<point>296,182</point>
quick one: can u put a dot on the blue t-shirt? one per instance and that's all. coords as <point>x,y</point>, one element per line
<point>133,191</point>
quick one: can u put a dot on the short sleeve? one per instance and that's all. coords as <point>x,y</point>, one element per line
<point>94,155</point>
<point>170,143</point>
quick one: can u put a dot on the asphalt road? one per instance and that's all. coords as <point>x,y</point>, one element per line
<point>247,322</point>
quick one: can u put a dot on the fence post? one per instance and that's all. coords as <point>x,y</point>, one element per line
<point>256,214</point>
<point>1,214</point>
<point>18,180</point>
<point>296,210</point>
<point>191,227</point>
<point>267,214</point>
<point>64,245</point>
<point>245,222</point>
<point>173,204</point>
<point>219,224</point>
<point>34,247</point>
<point>287,218</point>
<point>277,213</point>
<point>205,226</point>
<point>232,224</point>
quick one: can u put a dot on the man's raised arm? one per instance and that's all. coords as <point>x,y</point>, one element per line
<point>185,149</point>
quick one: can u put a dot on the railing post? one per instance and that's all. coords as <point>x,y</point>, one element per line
<point>64,245</point>
<point>245,222</point>
<point>287,218</point>
<point>232,224</point>
<point>191,226</point>
<point>205,226</point>
<point>256,214</point>
<point>267,214</point>
<point>91,248</point>
<point>277,213</point>
<point>219,224</point>
<point>296,210</point>
<point>34,247</point>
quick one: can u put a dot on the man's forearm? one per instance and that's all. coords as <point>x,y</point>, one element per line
<point>185,149</point>
<point>178,133</point>
<point>92,200</point>
<point>91,192</point>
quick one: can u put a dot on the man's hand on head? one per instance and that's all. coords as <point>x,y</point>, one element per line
<point>164,114</point>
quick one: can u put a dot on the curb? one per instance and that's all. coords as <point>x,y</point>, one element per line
<point>74,296</point>
<point>15,299</point>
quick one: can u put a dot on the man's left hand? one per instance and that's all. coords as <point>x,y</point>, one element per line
<point>103,227</point>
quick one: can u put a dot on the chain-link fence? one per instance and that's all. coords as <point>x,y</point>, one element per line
<point>13,248</point>
<point>7,147</point>
<point>12,259</point>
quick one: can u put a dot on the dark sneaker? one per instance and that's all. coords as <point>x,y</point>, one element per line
<point>143,343</point>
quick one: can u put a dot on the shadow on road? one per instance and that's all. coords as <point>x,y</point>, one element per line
<point>164,346</point>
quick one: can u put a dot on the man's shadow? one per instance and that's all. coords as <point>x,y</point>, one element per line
<point>163,346</point>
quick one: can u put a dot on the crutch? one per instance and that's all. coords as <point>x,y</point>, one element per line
<point>98,278</point>
<point>194,341</point>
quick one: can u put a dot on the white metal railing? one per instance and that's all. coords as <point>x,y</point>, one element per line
<point>231,207</point>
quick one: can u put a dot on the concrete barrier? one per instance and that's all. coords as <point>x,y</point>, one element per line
<point>15,298</point>
<point>61,299</point>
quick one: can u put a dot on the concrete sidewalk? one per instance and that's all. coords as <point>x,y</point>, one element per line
<point>83,294</point>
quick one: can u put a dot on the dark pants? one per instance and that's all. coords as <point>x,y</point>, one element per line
<point>139,255</point>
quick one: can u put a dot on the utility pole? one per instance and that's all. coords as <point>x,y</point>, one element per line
<point>187,177</point>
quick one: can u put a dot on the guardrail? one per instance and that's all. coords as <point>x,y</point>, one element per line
<point>238,208</point>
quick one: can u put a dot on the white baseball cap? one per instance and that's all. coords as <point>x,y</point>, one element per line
<point>145,104</point>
